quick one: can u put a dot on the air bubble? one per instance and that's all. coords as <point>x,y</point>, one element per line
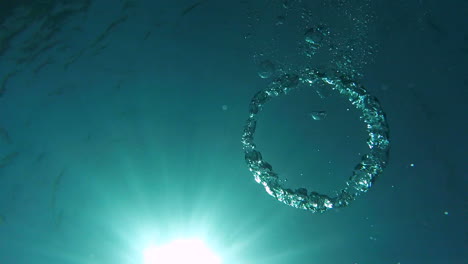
<point>280,20</point>
<point>318,115</point>
<point>313,37</point>
<point>266,69</point>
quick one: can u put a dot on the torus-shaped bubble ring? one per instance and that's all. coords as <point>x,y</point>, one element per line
<point>366,171</point>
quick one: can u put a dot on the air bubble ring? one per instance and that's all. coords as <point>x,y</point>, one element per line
<point>366,171</point>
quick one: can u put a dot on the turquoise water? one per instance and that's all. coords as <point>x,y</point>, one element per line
<point>121,126</point>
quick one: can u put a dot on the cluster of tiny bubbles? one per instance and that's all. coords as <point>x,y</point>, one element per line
<point>345,39</point>
<point>343,53</point>
<point>366,171</point>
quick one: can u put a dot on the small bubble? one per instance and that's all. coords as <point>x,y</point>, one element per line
<point>224,107</point>
<point>318,115</point>
<point>266,69</point>
<point>302,191</point>
<point>280,20</point>
<point>446,213</point>
<point>411,165</point>
<point>287,3</point>
<point>313,37</point>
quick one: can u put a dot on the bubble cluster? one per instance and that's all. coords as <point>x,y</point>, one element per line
<point>366,171</point>
<point>332,46</point>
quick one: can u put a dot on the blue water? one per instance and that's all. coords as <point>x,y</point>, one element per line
<point>121,124</point>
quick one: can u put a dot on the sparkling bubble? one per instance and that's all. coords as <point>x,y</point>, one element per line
<point>266,69</point>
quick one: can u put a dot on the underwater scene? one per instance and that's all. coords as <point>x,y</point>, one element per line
<point>233,132</point>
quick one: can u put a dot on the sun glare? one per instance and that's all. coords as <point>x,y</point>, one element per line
<point>180,251</point>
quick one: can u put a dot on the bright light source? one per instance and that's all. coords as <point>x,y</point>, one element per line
<point>181,251</point>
